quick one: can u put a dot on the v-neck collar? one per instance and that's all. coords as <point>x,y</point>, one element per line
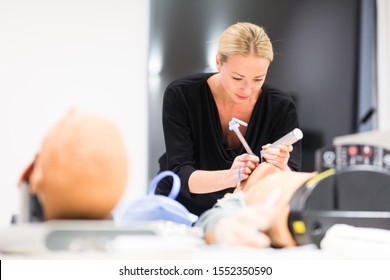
<point>229,154</point>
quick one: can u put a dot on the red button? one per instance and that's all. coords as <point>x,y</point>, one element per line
<point>352,150</point>
<point>367,151</point>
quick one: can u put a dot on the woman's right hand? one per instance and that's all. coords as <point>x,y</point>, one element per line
<point>242,166</point>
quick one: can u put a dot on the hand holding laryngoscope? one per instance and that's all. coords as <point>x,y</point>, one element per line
<point>288,139</point>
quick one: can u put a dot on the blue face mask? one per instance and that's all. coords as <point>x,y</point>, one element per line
<point>156,207</point>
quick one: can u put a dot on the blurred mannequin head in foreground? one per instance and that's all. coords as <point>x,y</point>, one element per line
<point>81,170</point>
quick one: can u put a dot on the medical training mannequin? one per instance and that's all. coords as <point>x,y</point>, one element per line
<point>81,170</point>
<point>256,215</point>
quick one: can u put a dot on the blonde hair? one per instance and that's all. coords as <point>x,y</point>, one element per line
<point>244,38</point>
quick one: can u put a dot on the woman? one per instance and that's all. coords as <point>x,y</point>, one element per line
<point>209,158</point>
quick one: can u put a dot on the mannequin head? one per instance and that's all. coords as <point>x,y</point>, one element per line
<point>275,190</point>
<point>81,170</point>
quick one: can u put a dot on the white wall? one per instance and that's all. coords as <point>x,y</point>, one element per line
<point>383,60</point>
<point>54,55</point>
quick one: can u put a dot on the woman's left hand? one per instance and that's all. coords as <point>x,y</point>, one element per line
<point>278,156</point>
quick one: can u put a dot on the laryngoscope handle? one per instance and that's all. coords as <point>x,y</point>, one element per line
<point>288,139</point>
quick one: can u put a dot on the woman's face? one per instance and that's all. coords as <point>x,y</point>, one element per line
<point>243,76</point>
